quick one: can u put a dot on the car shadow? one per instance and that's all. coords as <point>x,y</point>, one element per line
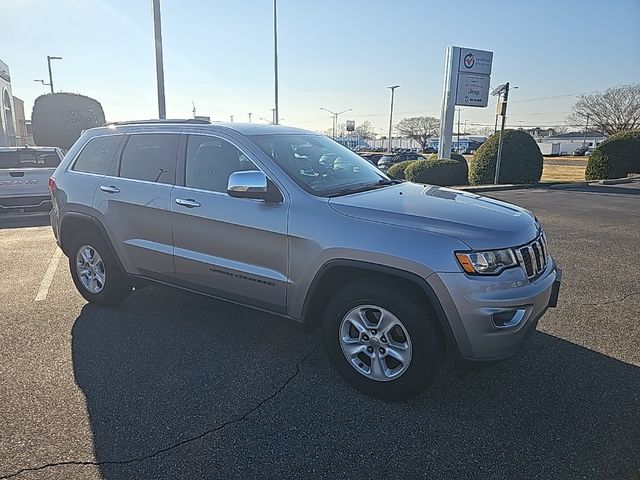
<point>169,379</point>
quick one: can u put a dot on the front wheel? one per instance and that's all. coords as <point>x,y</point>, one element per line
<point>382,340</point>
<point>95,272</point>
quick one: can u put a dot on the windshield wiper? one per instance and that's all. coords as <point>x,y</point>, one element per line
<point>363,188</point>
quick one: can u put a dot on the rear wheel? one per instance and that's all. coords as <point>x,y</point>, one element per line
<point>382,340</point>
<point>95,271</point>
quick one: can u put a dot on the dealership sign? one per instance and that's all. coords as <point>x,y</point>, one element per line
<point>472,90</point>
<point>466,83</point>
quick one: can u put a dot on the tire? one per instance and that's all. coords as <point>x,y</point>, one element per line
<point>368,301</point>
<point>111,286</point>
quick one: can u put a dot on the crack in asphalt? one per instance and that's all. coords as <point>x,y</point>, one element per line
<point>615,300</point>
<point>142,458</point>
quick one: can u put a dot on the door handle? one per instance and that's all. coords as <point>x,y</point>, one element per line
<point>109,189</point>
<point>187,202</point>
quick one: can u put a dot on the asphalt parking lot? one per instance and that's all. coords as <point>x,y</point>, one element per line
<point>173,385</point>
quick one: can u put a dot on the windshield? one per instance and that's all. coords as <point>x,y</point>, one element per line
<point>320,165</point>
<point>29,159</point>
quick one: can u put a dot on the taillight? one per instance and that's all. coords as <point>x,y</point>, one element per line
<point>52,184</point>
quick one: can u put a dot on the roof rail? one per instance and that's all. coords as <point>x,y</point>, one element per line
<point>160,121</point>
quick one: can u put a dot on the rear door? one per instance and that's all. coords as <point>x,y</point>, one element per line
<point>235,248</point>
<point>134,203</point>
<point>24,179</point>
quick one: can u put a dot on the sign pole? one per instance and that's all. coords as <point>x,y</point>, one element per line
<point>504,117</point>
<point>448,101</point>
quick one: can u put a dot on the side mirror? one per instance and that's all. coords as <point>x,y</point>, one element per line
<point>252,184</point>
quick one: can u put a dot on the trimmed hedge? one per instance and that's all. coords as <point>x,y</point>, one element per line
<point>397,170</point>
<point>442,172</point>
<point>521,160</point>
<point>58,119</point>
<point>616,157</point>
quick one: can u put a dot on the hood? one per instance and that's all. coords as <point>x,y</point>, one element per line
<point>480,222</point>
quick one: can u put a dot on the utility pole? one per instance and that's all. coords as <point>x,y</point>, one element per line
<point>393,90</point>
<point>503,113</point>
<point>459,110</point>
<point>250,117</point>
<point>49,58</point>
<point>157,30</point>
<point>586,128</point>
<point>335,118</point>
<point>231,118</point>
<point>276,118</point>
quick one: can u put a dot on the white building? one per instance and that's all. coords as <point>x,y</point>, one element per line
<point>7,119</point>
<point>570,141</point>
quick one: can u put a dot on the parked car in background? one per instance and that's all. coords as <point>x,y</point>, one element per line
<point>430,150</point>
<point>24,178</point>
<point>387,160</point>
<point>580,151</point>
<point>372,157</point>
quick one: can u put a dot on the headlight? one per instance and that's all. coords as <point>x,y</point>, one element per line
<point>488,262</point>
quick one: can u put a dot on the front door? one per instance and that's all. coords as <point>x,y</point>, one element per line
<point>234,248</point>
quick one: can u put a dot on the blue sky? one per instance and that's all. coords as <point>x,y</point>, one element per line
<point>334,54</point>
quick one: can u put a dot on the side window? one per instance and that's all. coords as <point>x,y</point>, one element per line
<point>150,157</point>
<point>96,156</point>
<point>210,161</point>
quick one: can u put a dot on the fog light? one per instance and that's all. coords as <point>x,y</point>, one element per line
<point>508,318</point>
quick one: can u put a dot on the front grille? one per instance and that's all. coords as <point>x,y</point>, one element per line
<point>533,257</point>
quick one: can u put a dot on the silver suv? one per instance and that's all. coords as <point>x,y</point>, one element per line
<point>290,222</point>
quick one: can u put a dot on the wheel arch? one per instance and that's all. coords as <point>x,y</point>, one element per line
<point>338,272</point>
<point>73,223</point>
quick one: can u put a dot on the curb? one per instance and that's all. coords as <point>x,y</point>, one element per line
<point>549,185</point>
<point>524,186</point>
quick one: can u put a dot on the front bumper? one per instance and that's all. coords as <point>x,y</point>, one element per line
<point>491,317</point>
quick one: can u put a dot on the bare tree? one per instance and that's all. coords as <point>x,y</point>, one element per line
<point>483,131</point>
<point>421,129</point>
<point>615,110</point>
<point>365,130</point>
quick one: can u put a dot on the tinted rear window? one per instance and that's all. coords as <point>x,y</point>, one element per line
<point>29,159</point>
<point>150,157</point>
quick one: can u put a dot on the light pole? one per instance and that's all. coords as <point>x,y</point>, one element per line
<point>157,31</point>
<point>393,90</point>
<point>49,58</point>
<point>335,118</point>
<point>459,110</point>
<point>231,118</point>
<point>586,127</point>
<point>250,117</point>
<point>276,117</point>
<point>43,82</point>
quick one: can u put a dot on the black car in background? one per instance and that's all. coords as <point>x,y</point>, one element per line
<point>390,159</point>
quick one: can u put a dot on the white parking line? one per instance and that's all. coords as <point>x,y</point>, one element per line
<point>48,276</point>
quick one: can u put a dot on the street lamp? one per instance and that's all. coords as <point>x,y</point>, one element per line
<point>49,58</point>
<point>43,82</point>
<point>250,117</point>
<point>157,32</point>
<point>276,116</point>
<point>335,118</point>
<point>393,89</point>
